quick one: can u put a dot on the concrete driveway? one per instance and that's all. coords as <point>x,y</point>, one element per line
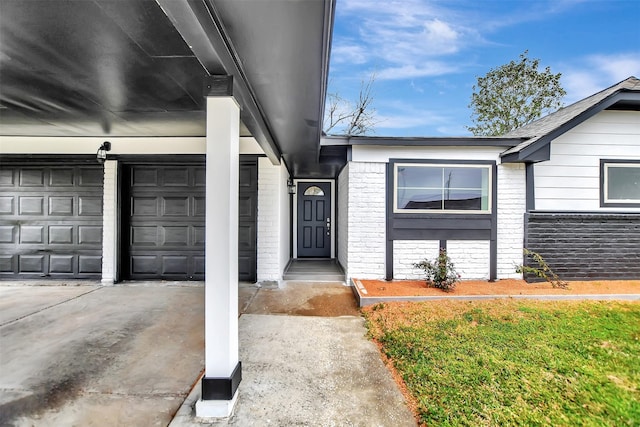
<point>94,356</point>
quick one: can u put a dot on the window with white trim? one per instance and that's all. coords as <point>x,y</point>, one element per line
<point>621,183</point>
<point>447,188</point>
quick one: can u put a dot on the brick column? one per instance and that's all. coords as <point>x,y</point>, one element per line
<point>109,222</point>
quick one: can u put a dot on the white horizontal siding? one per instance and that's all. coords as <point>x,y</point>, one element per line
<point>570,180</point>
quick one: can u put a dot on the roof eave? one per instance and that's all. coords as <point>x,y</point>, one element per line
<point>503,142</point>
<point>532,152</point>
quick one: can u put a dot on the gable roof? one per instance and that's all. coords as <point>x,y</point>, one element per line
<point>624,95</point>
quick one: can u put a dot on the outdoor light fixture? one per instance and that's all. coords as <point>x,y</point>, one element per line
<point>291,186</point>
<point>101,155</point>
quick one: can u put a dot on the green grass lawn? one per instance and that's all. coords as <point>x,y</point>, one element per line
<point>514,362</point>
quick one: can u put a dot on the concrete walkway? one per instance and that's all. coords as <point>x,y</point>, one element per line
<point>309,365</point>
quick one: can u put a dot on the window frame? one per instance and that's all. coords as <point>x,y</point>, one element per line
<point>605,202</point>
<point>489,166</point>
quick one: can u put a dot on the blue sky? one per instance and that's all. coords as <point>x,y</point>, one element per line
<point>427,54</point>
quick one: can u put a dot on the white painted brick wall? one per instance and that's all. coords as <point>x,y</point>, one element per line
<point>343,217</point>
<point>408,252</point>
<point>364,210</point>
<point>109,222</point>
<point>269,193</point>
<point>366,220</point>
<point>511,209</point>
<point>470,258</point>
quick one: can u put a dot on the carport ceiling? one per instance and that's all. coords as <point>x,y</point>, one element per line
<point>136,68</point>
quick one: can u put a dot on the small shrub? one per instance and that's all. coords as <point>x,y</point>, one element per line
<point>439,273</point>
<point>542,270</point>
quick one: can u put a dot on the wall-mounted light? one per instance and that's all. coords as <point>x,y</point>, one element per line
<point>101,155</point>
<point>291,186</point>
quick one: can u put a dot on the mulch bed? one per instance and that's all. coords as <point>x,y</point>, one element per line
<point>381,288</point>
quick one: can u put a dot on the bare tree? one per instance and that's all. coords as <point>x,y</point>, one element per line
<point>351,118</point>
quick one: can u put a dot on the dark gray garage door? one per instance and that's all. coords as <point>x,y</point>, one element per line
<point>50,221</point>
<point>164,224</point>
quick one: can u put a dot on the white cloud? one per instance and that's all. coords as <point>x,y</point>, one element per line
<point>349,53</point>
<point>408,71</point>
<point>400,115</point>
<point>594,73</point>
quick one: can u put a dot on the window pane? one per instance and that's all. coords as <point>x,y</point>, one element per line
<point>420,199</point>
<point>314,191</point>
<point>463,200</point>
<point>419,176</point>
<point>463,177</point>
<point>623,183</point>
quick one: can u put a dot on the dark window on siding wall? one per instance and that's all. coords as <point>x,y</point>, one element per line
<point>620,183</point>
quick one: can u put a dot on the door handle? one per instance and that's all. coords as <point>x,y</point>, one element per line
<point>328,226</point>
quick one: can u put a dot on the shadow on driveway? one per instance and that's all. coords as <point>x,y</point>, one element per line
<point>91,355</point>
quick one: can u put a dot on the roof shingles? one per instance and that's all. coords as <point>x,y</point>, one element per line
<point>546,125</point>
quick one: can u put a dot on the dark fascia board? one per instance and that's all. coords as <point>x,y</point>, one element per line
<point>531,153</point>
<point>542,154</point>
<point>201,27</point>
<point>464,141</point>
<point>330,10</point>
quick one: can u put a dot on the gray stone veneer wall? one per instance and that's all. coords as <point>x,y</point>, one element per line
<point>586,246</point>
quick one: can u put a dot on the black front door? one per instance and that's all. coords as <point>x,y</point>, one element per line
<point>314,219</point>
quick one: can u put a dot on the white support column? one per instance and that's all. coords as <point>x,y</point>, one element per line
<point>109,222</point>
<point>222,367</point>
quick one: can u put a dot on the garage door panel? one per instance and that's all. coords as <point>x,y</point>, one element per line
<point>51,215</point>
<point>6,205</point>
<point>144,206</point>
<point>61,205</point>
<point>8,234</point>
<point>31,205</point>
<point>32,178</point>
<point>175,264</point>
<point>62,177</point>
<point>144,235</point>
<point>61,264</point>
<point>175,235</point>
<point>88,264</point>
<point>6,177</point>
<point>89,235</point>
<point>198,236</point>
<point>144,265</point>
<point>175,206</point>
<point>199,176</point>
<point>176,177</point>
<point>31,264</point>
<point>199,206</point>
<point>32,234</point>
<point>144,177</point>
<point>7,263</point>
<point>60,234</point>
<point>89,206</point>
<point>198,265</point>
<point>90,177</point>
